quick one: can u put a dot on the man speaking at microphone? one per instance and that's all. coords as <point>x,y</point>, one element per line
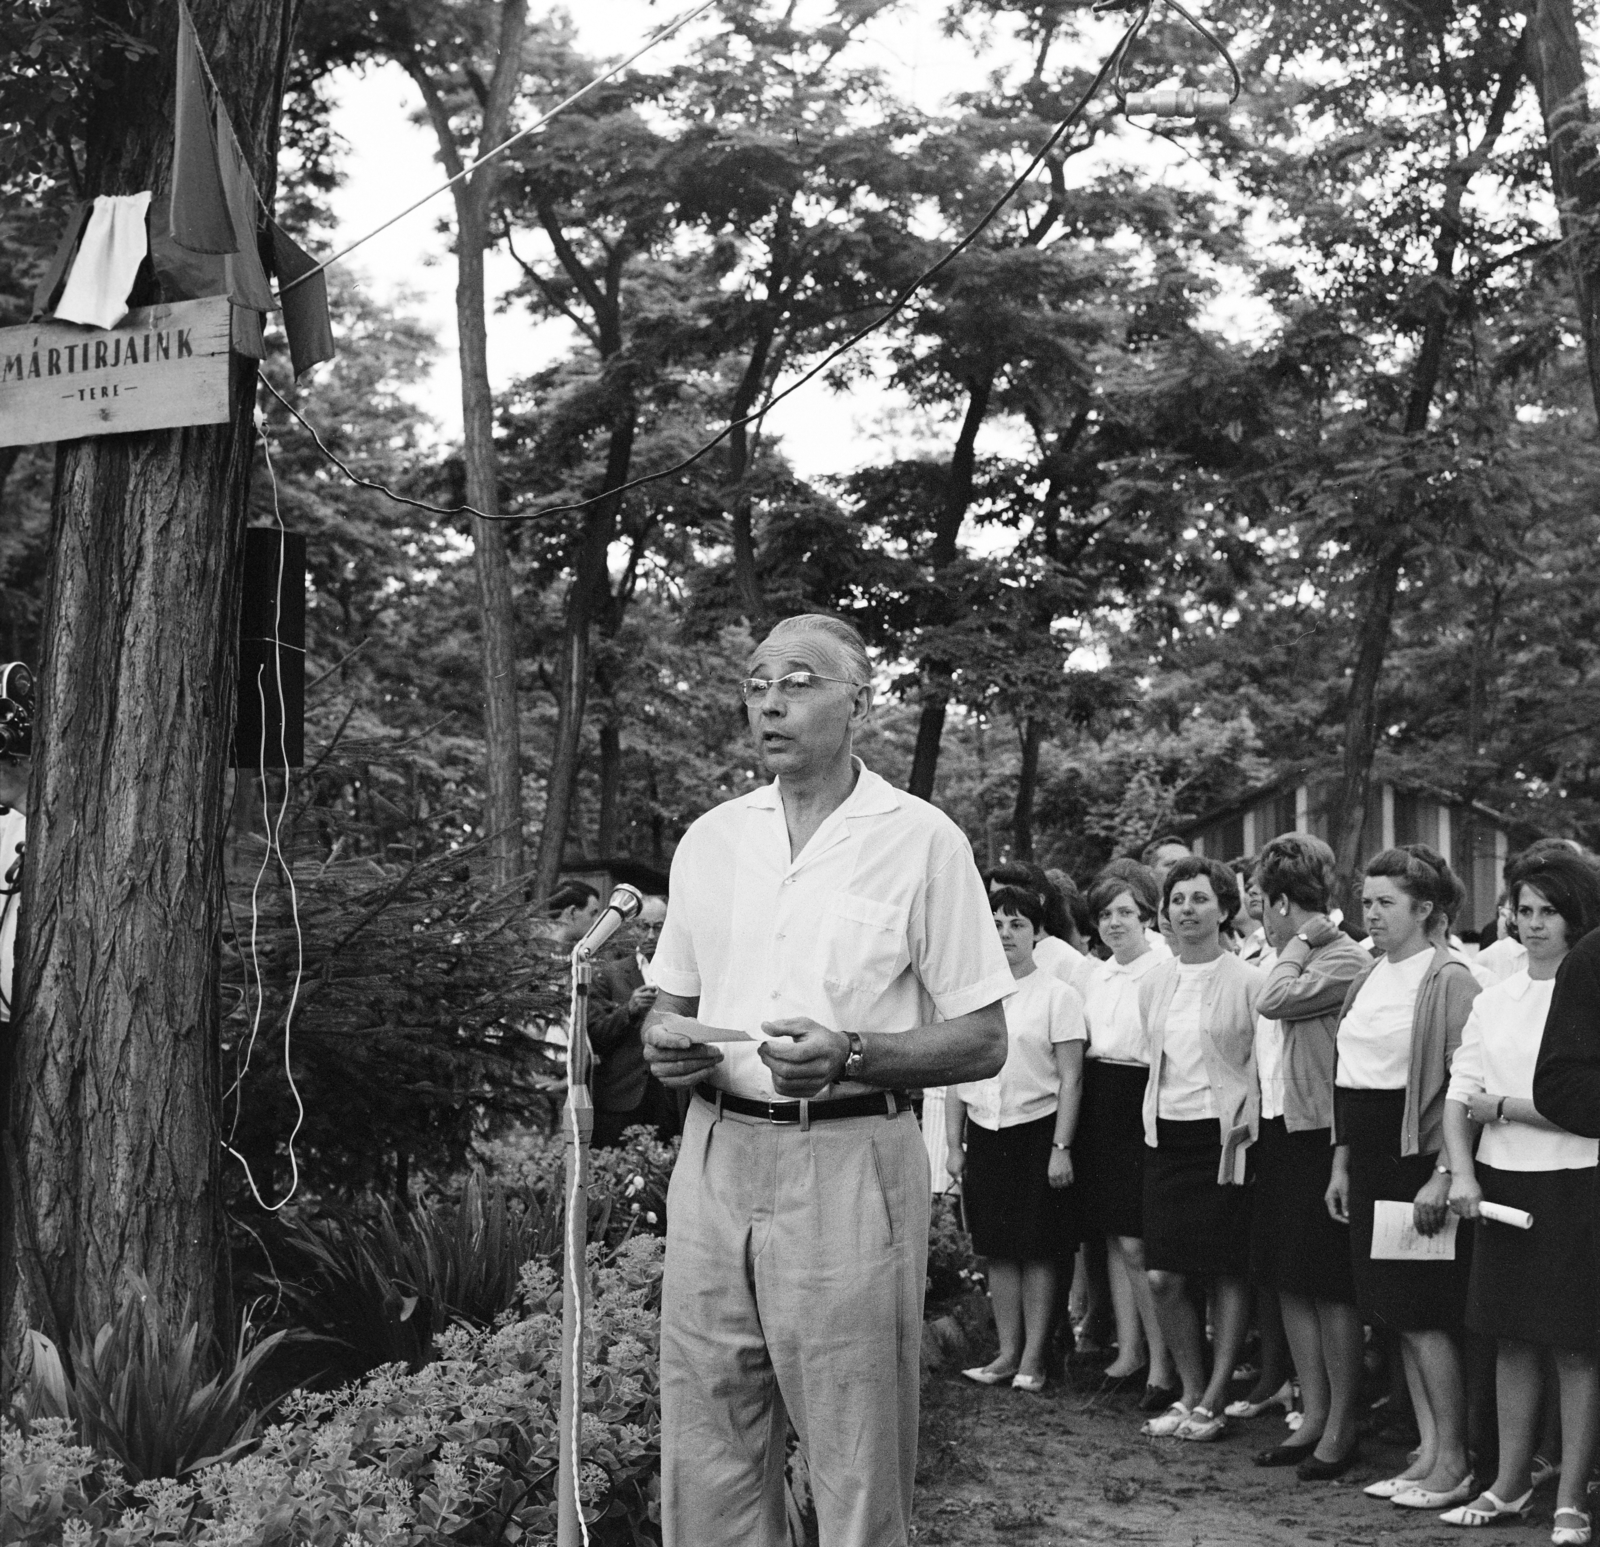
<point>840,928</point>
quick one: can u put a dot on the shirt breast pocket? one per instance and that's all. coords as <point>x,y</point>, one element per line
<point>863,946</point>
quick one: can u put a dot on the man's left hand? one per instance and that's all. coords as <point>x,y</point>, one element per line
<point>809,1061</point>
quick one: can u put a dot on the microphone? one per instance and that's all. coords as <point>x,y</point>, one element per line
<point>1178,102</point>
<point>626,901</point>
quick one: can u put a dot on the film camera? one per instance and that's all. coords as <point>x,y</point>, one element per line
<point>16,711</point>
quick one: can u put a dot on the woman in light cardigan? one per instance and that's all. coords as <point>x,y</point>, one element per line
<point>1201,1114</point>
<point>1400,1028</point>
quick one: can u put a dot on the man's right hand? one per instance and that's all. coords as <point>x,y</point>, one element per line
<point>674,1057</point>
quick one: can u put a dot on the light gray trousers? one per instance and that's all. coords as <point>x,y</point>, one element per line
<point>796,1263</point>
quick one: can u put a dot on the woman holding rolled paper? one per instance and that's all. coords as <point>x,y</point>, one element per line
<point>1532,1290</point>
<point>1399,1029</point>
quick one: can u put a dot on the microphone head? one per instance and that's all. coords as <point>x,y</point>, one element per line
<point>626,900</point>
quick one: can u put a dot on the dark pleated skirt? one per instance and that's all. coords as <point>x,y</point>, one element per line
<point>1011,1209</point>
<point>1536,1285</point>
<point>1403,1296</point>
<point>1108,1151</point>
<point>1296,1246</point>
<point>1192,1222</point>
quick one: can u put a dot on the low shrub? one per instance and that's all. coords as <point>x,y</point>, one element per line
<point>378,1286</point>
<point>461,1450</point>
<point>138,1393</point>
<point>627,1186</point>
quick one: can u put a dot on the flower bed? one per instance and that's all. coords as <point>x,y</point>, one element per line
<point>462,1450</point>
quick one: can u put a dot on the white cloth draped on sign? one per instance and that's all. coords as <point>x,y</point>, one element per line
<point>114,245</point>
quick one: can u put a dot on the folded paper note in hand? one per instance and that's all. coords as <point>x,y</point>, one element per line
<point>698,1031</point>
<point>1395,1237</point>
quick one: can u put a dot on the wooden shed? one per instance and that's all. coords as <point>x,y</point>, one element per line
<point>1475,839</point>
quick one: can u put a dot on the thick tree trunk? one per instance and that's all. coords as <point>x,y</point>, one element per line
<point>1361,711</point>
<point>112,1148</point>
<point>942,552</point>
<point>1032,739</point>
<point>1555,61</point>
<point>497,620</point>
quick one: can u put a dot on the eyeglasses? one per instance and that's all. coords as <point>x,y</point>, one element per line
<point>790,688</point>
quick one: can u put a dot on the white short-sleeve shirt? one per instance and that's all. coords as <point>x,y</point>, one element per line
<point>1042,1012</point>
<point>881,923</point>
<point>1111,1009</point>
<point>1499,1047</point>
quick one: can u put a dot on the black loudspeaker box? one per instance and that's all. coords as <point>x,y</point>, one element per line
<point>272,651</point>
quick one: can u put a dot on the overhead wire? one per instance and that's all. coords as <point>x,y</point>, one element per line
<point>660,35</point>
<point>1111,64</point>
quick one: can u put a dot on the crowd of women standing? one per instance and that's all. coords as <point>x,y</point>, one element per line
<point>1241,1120</point>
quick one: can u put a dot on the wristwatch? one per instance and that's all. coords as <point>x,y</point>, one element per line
<point>857,1057</point>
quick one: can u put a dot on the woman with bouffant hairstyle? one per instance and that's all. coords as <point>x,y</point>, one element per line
<point>1296,1250</point>
<point>1399,1030</point>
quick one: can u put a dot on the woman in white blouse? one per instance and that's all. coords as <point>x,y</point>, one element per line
<point>1400,1027</point>
<point>1010,1142</point>
<point>1532,1290</point>
<point>1201,1115</point>
<point>1109,1154</point>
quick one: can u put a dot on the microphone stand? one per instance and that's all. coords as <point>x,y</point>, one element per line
<point>577,1130</point>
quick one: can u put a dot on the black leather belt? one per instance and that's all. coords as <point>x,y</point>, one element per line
<point>881,1103</point>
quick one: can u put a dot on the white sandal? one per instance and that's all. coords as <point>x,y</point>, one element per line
<point>1571,1536</point>
<point>1474,1515</point>
<point>1283,1397</point>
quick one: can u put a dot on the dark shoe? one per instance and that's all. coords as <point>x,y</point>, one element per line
<point>1314,1471</point>
<point>1110,1385</point>
<point>1284,1455</point>
<point>1157,1399</point>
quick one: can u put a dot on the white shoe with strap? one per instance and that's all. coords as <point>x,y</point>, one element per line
<point>1486,1509</point>
<point>1166,1424</point>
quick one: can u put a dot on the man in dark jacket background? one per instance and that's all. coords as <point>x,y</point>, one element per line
<point>625,1093</point>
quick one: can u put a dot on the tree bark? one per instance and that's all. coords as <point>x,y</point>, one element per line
<point>1555,61</point>
<point>610,788</point>
<point>586,596</point>
<point>1361,711</point>
<point>497,619</point>
<point>943,552</point>
<point>112,1148</point>
<point>589,596</point>
<point>1032,738</point>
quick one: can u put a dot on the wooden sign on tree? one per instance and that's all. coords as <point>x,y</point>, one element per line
<point>161,366</point>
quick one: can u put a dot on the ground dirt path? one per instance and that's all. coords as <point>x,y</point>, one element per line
<point>1001,1467</point>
